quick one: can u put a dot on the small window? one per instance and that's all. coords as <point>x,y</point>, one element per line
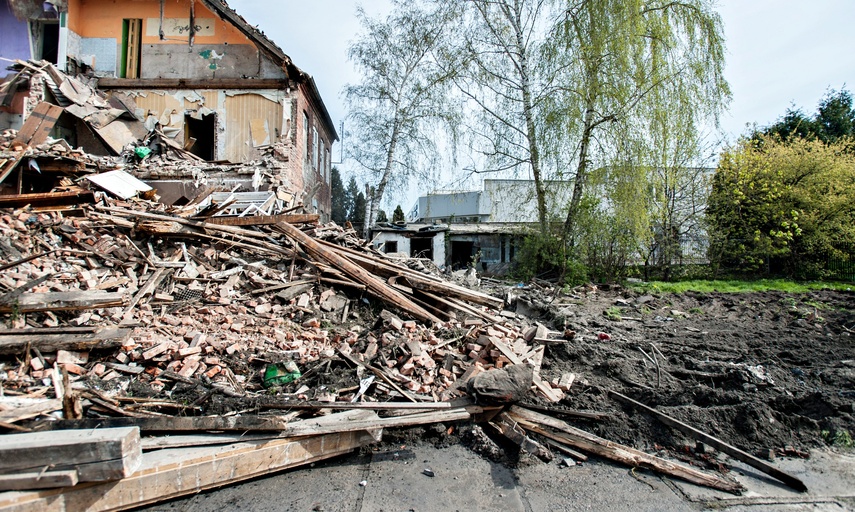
<point>391,246</point>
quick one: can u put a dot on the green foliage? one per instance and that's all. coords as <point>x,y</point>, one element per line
<point>736,286</point>
<point>839,438</point>
<point>833,121</point>
<point>613,313</point>
<point>352,210</point>
<point>781,206</point>
<point>358,214</point>
<point>339,197</point>
<point>381,216</point>
<point>398,214</point>
<point>540,254</point>
<point>608,236</point>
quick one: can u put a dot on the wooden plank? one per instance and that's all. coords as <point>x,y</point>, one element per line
<point>32,124</point>
<point>47,199</point>
<point>378,406</point>
<point>96,455</point>
<point>38,480</point>
<point>9,165</point>
<point>175,423</point>
<point>88,339</point>
<point>509,428</point>
<point>265,220</point>
<point>47,124</point>
<point>620,453</point>
<point>65,301</point>
<point>168,474</point>
<point>313,427</point>
<point>187,83</point>
<point>30,411</point>
<point>716,443</point>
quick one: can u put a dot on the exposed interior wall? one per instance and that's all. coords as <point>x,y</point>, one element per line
<point>14,36</point>
<point>245,120</point>
<point>218,50</point>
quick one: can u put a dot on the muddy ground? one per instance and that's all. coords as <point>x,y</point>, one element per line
<point>772,373</point>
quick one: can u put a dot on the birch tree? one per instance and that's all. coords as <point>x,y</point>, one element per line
<point>396,109</point>
<point>502,77</point>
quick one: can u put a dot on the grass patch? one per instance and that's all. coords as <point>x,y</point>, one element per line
<point>613,313</point>
<point>735,286</point>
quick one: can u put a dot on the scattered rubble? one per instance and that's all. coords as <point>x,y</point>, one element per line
<point>246,330</point>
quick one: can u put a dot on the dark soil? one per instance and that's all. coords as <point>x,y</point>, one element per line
<point>762,371</point>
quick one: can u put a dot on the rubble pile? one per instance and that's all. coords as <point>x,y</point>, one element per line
<point>253,337</point>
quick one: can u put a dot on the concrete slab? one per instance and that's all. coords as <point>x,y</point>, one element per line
<point>462,481</point>
<point>331,485</point>
<point>597,485</point>
<point>828,475</point>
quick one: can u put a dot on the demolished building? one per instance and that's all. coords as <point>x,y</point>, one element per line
<point>214,85</point>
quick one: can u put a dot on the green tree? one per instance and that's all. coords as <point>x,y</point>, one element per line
<point>381,216</point>
<point>835,116</point>
<point>502,76</point>
<point>834,120</point>
<point>623,62</point>
<point>398,214</point>
<point>352,209</point>
<point>339,197</point>
<point>395,108</point>
<point>781,206</point>
<point>359,203</point>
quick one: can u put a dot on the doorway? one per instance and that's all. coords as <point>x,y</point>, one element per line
<point>461,254</point>
<point>200,135</point>
<point>421,248</point>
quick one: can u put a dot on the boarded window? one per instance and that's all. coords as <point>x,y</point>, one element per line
<point>131,48</point>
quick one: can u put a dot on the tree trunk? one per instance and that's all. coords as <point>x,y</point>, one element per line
<point>579,181</point>
<point>531,132</point>
<point>377,196</point>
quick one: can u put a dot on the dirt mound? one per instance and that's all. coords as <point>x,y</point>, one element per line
<point>762,371</point>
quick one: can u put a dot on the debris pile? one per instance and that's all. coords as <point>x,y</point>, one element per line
<point>132,315</point>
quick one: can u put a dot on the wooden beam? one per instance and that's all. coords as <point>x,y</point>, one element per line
<point>64,301</point>
<point>30,411</point>
<point>175,423</point>
<point>374,285</point>
<point>96,455</point>
<point>265,220</point>
<point>168,474</point>
<point>62,339</point>
<point>38,480</point>
<point>190,83</point>
<point>47,199</point>
<point>716,443</point>
<point>620,453</point>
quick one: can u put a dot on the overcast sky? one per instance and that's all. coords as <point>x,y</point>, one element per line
<point>780,52</point>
